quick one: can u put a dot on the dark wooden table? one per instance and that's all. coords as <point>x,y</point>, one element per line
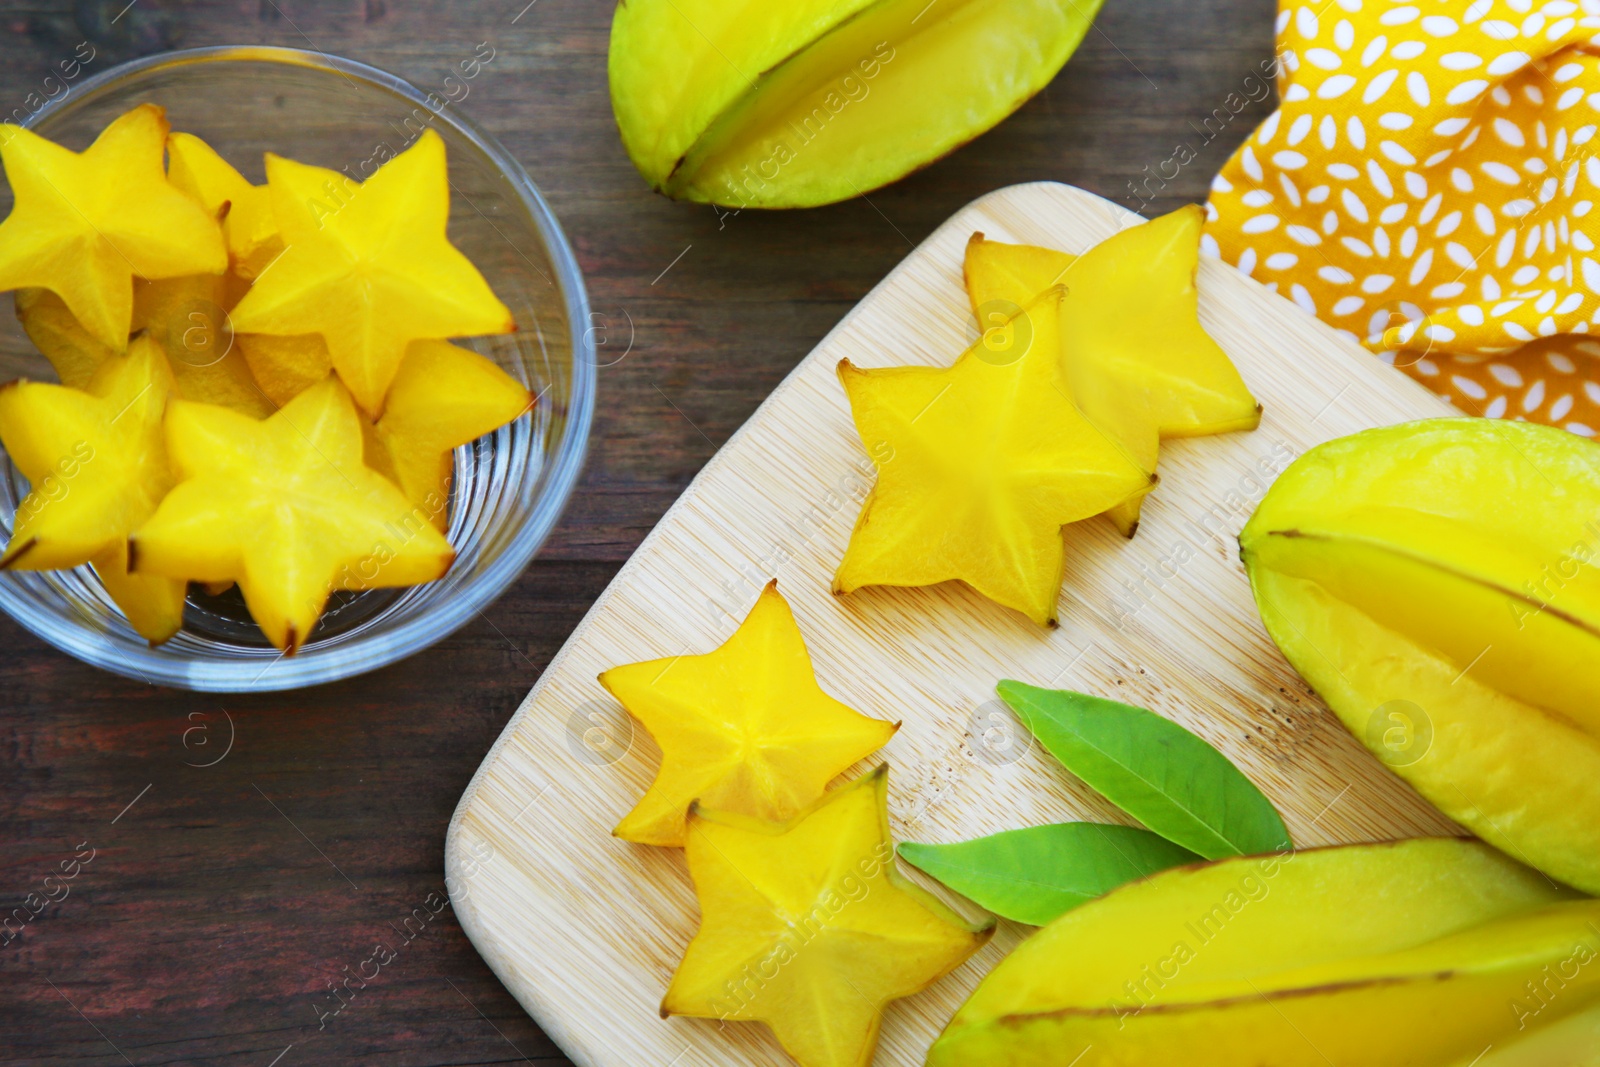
<point>220,902</point>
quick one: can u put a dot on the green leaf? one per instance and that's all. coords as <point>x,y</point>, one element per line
<point>1036,874</point>
<point>1153,769</point>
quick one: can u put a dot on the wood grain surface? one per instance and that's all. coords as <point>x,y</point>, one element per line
<point>222,902</point>
<point>586,929</point>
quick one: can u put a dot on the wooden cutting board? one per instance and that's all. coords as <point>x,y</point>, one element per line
<point>585,930</point>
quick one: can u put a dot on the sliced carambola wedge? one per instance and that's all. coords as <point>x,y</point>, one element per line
<point>997,273</point>
<point>1137,361</point>
<point>807,926</point>
<point>980,465</point>
<point>85,223</point>
<point>248,223</point>
<point>443,397</point>
<point>286,508</point>
<point>368,266</point>
<point>97,461</point>
<point>745,727</point>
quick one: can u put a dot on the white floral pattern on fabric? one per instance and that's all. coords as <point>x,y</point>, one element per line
<point>1427,186</point>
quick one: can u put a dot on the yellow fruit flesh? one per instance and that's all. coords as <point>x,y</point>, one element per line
<point>780,106</point>
<point>285,508</point>
<point>996,274</point>
<point>60,337</point>
<point>807,926</point>
<point>152,606</point>
<point>1132,336</point>
<point>1448,564</point>
<point>369,267</point>
<point>1137,361</point>
<point>188,318</point>
<point>670,70</point>
<point>284,367</point>
<point>744,729</point>
<point>980,465</point>
<point>1501,637</point>
<point>98,466</point>
<point>443,397</point>
<point>85,223</point>
<point>1222,963</point>
<point>95,459</point>
<point>248,224</point>
<point>1521,778</point>
<point>1570,1042</point>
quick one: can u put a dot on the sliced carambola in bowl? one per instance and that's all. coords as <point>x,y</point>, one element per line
<point>74,352</point>
<point>443,396</point>
<point>285,507</point>
<point>188,318</point>
<point>369,267</point>
<point>98,466</point>
<point>86,223</point>
<point>248,223</point>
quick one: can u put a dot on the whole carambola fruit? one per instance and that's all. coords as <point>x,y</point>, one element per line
<point>804,102</point>
<point>1436,583</point>
<point>1404,954</point>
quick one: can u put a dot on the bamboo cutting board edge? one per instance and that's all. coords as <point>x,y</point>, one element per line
<point>495,880</point>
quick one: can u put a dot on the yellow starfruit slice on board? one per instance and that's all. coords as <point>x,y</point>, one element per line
<point>85,223</point>
<point>1138,363</point>
<point>808,927</point>
<point>97,463</point>
<point>187,317</point>
<point>368,266</point>
<point>980,465</point>
<point>248,223</point>
<point>745,729</point>
<point>997,273</point>
<point>60,337</point>
<point>443,397</point>
<point>285,507</point>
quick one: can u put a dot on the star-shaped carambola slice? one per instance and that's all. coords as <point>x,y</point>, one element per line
<point>980,465</point>
<point>744,729</point>
<point>85,223</point>
<point>248,224</point>
<point>284,507</point>
<point>808,927</point>
<point>996,274</point>
<point>368,266</point>
<point>96,462</point>
<point>443,397</point>
<point>1137,361</point>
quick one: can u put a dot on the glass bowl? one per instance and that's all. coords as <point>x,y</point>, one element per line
<point>510,486</point>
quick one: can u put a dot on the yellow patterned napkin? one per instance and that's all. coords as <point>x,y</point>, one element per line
<point>1427,186</point>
